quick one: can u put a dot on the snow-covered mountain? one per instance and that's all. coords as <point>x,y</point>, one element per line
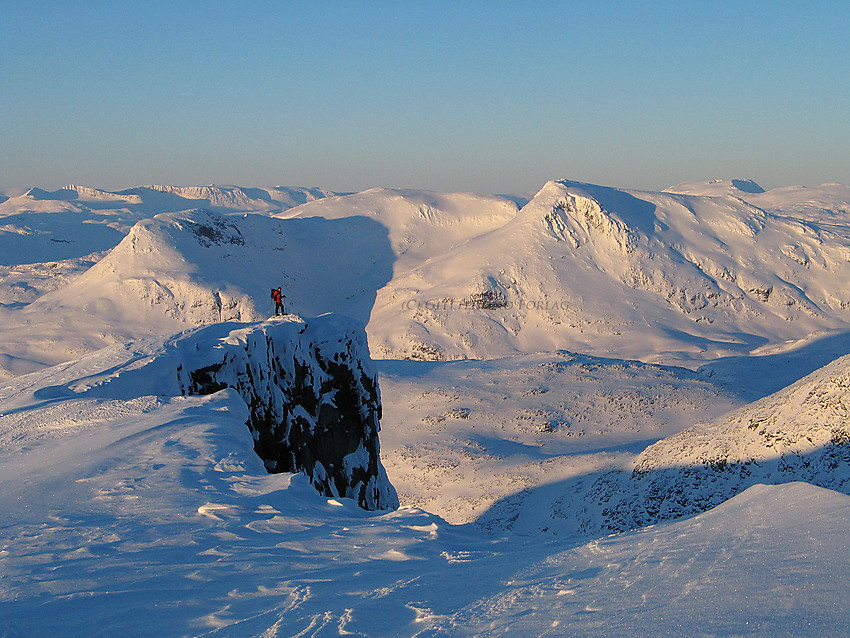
<point>163,199</point>
<point>654,276</point>
<point>797,434</point>
<point>133,472</point>
<point>702,270</point>
<point>717,188</point>
<point>674,277</point>
<point>199,267</point>
<point>421,225</point>
<point>45,226</point>
<point>801,433</point>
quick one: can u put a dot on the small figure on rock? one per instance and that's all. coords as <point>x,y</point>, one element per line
<point>278,298</point>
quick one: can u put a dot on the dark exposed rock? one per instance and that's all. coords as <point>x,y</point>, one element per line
<point>215,229</point>
<point>313,399</point>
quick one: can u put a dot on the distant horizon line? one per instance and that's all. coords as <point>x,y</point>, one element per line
<point>19,191</point>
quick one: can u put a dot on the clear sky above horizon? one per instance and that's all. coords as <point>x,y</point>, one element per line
<point>492,97</point>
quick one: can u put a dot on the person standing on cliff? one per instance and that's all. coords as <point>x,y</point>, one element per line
<point>278,298</point>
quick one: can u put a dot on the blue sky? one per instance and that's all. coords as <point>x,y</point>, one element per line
<point>492,97</point>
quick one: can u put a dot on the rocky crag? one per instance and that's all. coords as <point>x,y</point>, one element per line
<point>311,393</point>
<point>313,399</point>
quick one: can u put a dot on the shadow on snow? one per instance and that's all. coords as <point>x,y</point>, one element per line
<point>612,501</point>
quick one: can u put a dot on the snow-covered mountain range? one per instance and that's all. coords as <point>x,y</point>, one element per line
<point>551,371</point>
<point>700,271</point>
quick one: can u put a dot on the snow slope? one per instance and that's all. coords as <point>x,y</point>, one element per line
<point>796,434</point>
<point>470,440</point>
<point>758,565</point>
<point>120,493</point>
<point>312,397</point>
<point>799,433</point>
<point>150,513</point>
<point>48,239</point>
<point>717,188</point>
<point>420,224</point>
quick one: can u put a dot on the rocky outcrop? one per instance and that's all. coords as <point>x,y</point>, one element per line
<point>313,399</point>
<point>310,393</point>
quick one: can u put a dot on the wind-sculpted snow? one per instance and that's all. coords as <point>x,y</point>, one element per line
<point>312,398</point>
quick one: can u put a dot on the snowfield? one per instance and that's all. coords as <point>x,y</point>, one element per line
<point>603,412</point>
<point>469,440</point>
<point>157,506</point>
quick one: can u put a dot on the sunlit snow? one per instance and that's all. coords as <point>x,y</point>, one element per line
<point>605,412</point>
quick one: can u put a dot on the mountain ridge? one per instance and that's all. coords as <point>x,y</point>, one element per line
<point>665,277</point>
